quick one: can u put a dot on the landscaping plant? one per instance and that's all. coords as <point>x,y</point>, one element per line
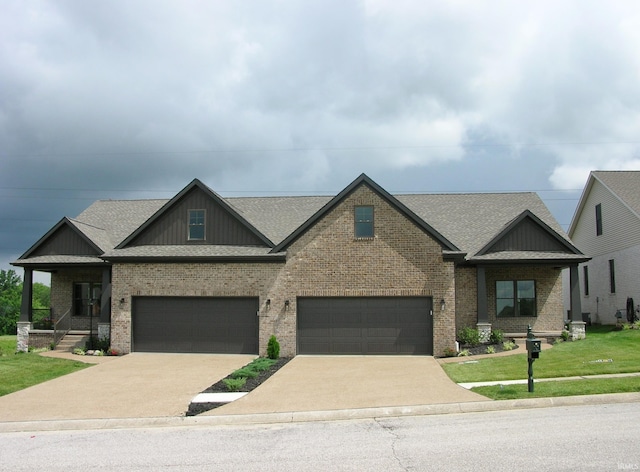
<point>273,348</point>
<point>469,336</point>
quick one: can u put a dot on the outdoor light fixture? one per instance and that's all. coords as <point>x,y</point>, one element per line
<point>268,303</point>
<point>122,301</point>
<point>286,304</point>
<point>442,305</point>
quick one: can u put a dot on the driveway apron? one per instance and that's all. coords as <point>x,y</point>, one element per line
<point>137,385</point>
<point>318,383</point>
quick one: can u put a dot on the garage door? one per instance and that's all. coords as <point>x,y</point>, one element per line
<point>374,325</point>
<point>195,324</point>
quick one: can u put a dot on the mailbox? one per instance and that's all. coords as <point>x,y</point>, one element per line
<point>533,348</point>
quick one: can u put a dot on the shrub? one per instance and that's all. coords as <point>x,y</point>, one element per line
<point>564,335</point>
<point>78,351</point>
<point>234,385</point>
<point>508,345</point>
<point>246,372</point>
<point>273,348</point>
<point>469,336</point>
<point>448,352</point>
<point>261,363</point>
<point>491,350</point>
<point>464,353</point>
<point>496,337</point>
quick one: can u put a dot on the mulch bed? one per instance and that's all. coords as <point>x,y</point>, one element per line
<point>220,387</point>
<point>482,349</point>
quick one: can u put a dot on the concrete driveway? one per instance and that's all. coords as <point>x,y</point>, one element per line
<point>132,386</point>
<point>318,383</point>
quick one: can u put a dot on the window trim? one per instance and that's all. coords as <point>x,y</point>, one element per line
<point>202,225</point>
<point>599,219</point>
<point>363,223</point>
<point>515,299</point>
<point>612,276</point>
<point>585,276</point>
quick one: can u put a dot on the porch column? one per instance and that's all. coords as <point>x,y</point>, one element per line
<point>26,311</point>
<point>104,324</point>
<point>483,325</point>
<point>577,326</point>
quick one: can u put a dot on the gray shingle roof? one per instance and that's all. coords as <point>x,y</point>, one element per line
<point>469,221</point>
<point>625,184</point>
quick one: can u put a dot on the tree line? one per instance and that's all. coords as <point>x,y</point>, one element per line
<point>11,299</point>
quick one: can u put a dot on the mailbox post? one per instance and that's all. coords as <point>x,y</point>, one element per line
<point>533,349</point>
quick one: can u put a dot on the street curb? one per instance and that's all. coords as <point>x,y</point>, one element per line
<point>311,416</point>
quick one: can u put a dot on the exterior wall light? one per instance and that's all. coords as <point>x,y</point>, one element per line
<point>442,305</point>
<point>268,302</point>
<point>286,304</point>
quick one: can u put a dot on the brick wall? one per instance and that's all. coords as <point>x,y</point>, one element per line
<point>326,261</point>
<point>548,296</point>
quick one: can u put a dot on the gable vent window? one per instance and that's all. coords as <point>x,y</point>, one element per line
<point>196,225</point>
<point>599,219</point>
<point>363,222</point>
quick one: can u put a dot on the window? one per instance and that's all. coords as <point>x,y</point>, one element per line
<point>515,298</point>
<point>86,298</point>
<point>364,222</point>
<point>196,225</point>
<point>586,280</point>
<point>612,276</point>
<point>598,219</point>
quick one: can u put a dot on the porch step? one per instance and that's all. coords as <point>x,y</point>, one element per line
<point>71,341</point>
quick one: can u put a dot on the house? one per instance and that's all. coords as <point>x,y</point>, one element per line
<point>364,272</point>
<point>606,227</point>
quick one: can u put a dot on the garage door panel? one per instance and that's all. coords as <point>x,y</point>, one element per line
<point>195,324</point>
<point>373,325</point>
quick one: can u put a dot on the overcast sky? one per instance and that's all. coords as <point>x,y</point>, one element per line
<point>134,99</point>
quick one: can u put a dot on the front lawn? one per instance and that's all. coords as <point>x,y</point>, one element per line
<point>23,370</point>
<point>604,351</point>
<point>561,388</point>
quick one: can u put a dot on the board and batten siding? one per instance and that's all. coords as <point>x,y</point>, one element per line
<point>620,226</point>
<point>222,228</point>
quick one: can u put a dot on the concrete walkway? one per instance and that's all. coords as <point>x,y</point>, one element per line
<point>320,383</point>
<point>132,386</point>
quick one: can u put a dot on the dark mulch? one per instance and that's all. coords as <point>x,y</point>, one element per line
<point>220,387</point>
<point>482,348</point>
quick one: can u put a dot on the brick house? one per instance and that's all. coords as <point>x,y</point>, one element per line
<point>364,272</point>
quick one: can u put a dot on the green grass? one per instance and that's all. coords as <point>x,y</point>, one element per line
<point>561,388</point>
<point>563,360</point>
<point>23,370</point>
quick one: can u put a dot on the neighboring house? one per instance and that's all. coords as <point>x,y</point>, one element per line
<point>606,227</point>
<point>364,272</point>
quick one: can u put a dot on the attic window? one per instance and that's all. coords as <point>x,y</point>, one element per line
<point>196,225</point>
<point>363,222</point>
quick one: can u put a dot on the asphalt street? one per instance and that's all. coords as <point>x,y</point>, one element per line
<point>591,437</point>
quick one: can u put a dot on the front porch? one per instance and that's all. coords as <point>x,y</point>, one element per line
<point>80,305</point>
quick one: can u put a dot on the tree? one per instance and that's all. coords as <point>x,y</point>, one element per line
<point>10,301</point>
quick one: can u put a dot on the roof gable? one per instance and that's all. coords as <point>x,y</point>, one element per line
<point>65,238</point>
<point>390,199</point>
<point>168,226</point>
<point>527,232</point>
<point>624,186</point>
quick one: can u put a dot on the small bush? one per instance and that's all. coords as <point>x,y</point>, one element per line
<point>247,372</point>
<point>273,348</point>
<point>464,353</point>
<point>496,337</point>
<point>261,363</point>
<point>469,336</point>
<point>491,350</point>
<point>508,345</point>
<point>564,335</point>
<point>78,351</point>
<point>448,352</point>
<point>234,385</point>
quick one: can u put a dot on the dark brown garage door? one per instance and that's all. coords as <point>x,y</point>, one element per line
<point>195,324</point>
<point>374,325</point>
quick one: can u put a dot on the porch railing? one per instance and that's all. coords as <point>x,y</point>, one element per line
<point>61,326</point>
<point>42,318</point>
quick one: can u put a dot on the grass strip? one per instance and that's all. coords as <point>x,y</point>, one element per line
<point>561,388</point>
